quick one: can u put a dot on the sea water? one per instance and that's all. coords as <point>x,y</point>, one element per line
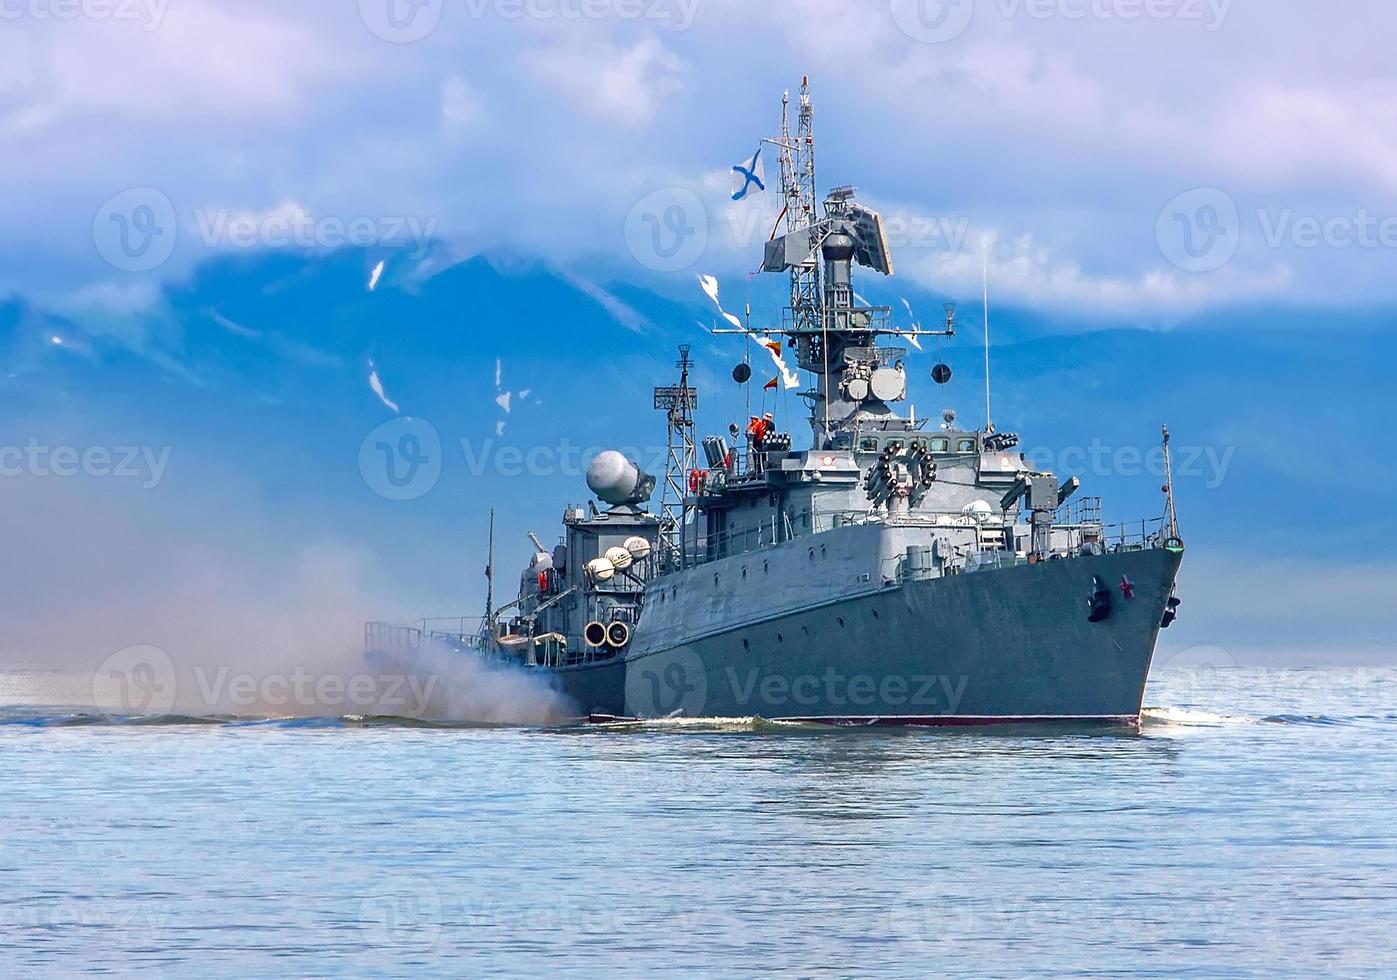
<point>1248,827</point>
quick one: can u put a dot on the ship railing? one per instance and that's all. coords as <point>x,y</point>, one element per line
<point>789,526</point>
<point>452,632</point>
<point>391,638</point>
<point>1142,535</point>
<point>874,318</point>
<point>1089,536</point>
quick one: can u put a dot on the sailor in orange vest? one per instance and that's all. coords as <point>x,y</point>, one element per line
<point>757,431</point>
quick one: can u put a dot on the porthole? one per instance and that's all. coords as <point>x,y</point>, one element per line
<point>840,621</point>
<point>875,613</point>
<point>765,569</point>
<point>715,581</point>
<point>746,645</point>
<point>812,554</point>
<point>822,551</point>
<point>744,573</point>
<point>780,638</point>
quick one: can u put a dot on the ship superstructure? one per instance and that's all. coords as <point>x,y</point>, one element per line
<point>899,570</point>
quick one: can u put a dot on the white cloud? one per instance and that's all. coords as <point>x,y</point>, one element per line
<point>461,107</point>
<point>620,85</point>
<point>204,59</point>
<point>1025,272</point>
<point>1058,134</point>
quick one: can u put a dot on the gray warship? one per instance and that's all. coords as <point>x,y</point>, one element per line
<point>900,570</point>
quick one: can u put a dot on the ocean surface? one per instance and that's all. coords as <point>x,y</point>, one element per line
<point>1248,827</point>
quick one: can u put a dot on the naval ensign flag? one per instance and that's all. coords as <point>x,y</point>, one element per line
<point>748,176</point>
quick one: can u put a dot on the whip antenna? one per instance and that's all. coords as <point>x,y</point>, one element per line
<point>985,279</point>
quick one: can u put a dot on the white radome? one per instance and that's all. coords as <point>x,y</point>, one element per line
<point>979,510</point>
<point>888,384</point>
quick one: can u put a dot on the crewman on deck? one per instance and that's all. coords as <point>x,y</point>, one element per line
<point>757,431</point>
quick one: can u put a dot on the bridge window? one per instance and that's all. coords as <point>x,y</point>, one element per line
<point>965,446</point>
<point>869,444</point>
<point>940,445</point>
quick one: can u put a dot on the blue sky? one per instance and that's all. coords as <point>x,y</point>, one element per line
<point>1188,210</point>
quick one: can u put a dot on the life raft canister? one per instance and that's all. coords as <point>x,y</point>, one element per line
<point>1099,603</point>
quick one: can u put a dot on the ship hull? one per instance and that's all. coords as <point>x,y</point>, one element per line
<point>999,646</point>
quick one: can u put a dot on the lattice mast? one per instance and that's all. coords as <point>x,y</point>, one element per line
<point>678,402</point>
<point>798,192</point>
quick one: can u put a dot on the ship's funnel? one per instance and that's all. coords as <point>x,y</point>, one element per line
<point>617,481</point>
